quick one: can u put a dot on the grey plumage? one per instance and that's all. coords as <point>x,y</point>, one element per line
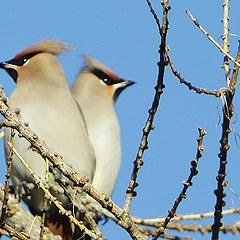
<point>45,102</point>
<point>96,89</point>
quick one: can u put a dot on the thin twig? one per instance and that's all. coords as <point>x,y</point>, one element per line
<point>149,232</point>
<point>234,229</point>
<point>149,124</point>
<point>186,184</point>
<point>227,114</point>
<point>18,221</point>
<point>45,201</point>
<point>235,74</point>
<point>156,222</point>
<point>50,197</point>
<point>225,40</point>
<point>155,17</point>
<point>211,39</point>
<point>190,86</point>
<point>10,232</point>
<point>7,181</point>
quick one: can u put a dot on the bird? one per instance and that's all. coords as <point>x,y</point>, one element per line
<point>96,89</point>
<point>44,100</point>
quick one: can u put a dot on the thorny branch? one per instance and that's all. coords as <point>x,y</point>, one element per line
<point>186,184</point>
<point>227,114</point>
<point>211,39</point>
<point>15,122</point>
<point>225,40</point>
<point>190,86</point>
<point>149,124</point>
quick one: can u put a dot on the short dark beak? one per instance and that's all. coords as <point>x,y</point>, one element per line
<point>122,85</point>
<point>129,83</point>
<point>10,70</point>
<point>3,65</point>
<point>126,83</point>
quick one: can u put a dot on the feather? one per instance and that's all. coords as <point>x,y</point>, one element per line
<point>46,46</point>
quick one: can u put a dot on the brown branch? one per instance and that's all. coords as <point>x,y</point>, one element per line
<point>235,73</point>
<point>211,39</point>
<point>234,229</point>
<point>155,17</point>
<point>156,222</point>
<point>186,185</point>
<point>19,222</point>
<point>149,232</point>
<point>45,201</point>
<point>7,182</point>
<point>190,86</point>
<point>225,40</point>
<point>149,124</point>
<point>227,114</point>
<point>51,198</point>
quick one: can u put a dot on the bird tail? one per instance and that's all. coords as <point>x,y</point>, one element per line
<point>60,225</point>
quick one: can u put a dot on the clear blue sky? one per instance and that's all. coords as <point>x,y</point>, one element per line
<point>123,35</point>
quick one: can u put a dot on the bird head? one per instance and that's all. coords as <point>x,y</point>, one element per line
<point>106,77</point>
<point>35,60</point>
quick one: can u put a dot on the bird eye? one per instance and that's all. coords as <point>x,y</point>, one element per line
<point>23,59</point>
<point>103,76</point>
<point>105,80</point>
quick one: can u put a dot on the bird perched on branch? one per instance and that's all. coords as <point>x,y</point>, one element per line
<point>45,102</point>
<point>96,89</point>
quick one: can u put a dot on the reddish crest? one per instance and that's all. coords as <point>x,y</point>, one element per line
<point>91,63</point>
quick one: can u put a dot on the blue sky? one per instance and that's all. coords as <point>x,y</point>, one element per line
<point>124,36</point>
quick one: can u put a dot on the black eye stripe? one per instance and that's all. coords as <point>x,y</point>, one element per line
<point>104,77</point>
<point>20,61</point>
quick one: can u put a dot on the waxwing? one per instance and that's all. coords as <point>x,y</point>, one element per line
<point>96,89</point>
<point>45,102</point>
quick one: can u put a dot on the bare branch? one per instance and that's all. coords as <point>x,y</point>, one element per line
<point>18,221</point>
<point>155,17</point>
<point>45,201</point>
<point>51,198</point>
<point>235,72</point>
<point>149,124</point>
<point>227,114</point>
<point>155,222</point>
<point>190,86</point>
<point>7,182</point>
<point>186,185</point>
<point>234,229</point>
<point>211,39</point>
<point>225,40</point>
<point>150,232</point>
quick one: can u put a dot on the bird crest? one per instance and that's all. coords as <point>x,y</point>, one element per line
<point>91,65</point>
<point>47,46</point>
